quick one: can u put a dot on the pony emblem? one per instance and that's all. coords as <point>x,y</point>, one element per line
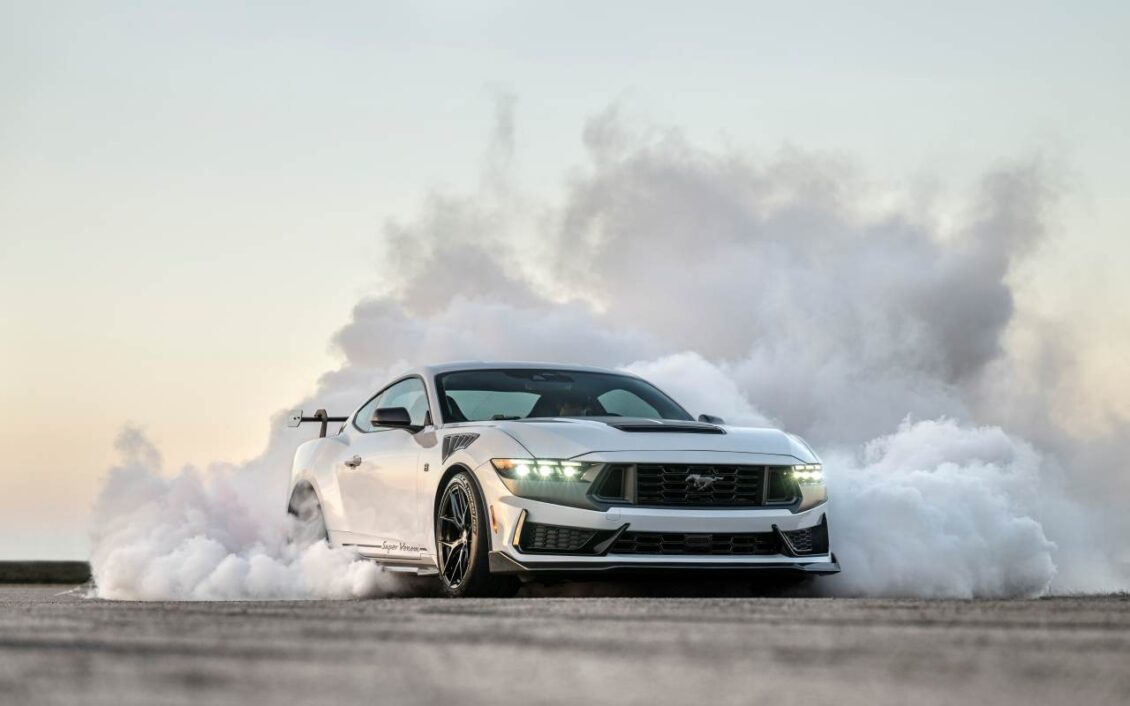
<point>701,482</point>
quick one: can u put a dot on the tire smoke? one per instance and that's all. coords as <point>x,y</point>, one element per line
<point>191,537</point>
<point>785,291</point>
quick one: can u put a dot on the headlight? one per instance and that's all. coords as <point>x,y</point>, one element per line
<point>539,469</point>
<point>809,474</point>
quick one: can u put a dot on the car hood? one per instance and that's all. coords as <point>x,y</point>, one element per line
<point>570,437</point>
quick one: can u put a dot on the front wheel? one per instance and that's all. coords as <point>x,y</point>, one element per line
<point>462,544</point>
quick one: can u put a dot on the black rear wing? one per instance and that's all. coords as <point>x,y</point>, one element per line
<point>297,418</point>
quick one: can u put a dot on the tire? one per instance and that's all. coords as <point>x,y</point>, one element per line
<point>463,543</point>
<point>308,526</point>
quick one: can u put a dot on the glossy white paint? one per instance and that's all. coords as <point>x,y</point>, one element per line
<point>384,505</point>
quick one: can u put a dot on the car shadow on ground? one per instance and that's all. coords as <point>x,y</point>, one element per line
<point>688,588</point>
<point>404,586</point>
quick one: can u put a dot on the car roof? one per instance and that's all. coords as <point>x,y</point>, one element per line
<point>439,368</point>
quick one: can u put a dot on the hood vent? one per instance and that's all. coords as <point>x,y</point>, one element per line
<point>667,427</point>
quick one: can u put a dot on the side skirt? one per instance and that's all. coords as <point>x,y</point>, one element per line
<point>419,567</point>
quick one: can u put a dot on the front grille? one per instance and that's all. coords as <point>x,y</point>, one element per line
<point>734,486</point>
<point>757,543</point>
<point>553,538</point>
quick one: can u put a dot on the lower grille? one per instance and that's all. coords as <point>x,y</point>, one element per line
<point>556,539</point>
<point>553,538</point>
<point>663,543</point>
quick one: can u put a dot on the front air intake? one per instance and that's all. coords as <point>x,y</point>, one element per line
<point>553,539</point>
<point>682,544</point>
<point>807,541</point>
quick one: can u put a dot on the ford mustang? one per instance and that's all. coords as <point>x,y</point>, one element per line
<point>489,474</point>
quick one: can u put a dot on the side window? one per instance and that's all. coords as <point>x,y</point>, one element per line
<point>364,418</point>
<point>626,404</point>
<point>409,394</point>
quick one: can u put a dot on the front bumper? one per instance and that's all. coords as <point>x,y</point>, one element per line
<point>504,563</point>
<point>599,555</point>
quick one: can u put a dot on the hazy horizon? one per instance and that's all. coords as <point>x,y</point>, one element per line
<point>195,199</point>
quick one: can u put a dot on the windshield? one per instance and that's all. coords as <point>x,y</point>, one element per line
<point>478,395</point>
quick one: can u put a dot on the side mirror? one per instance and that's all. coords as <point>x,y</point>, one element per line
<point>710,419</point>
<point>393,417</point>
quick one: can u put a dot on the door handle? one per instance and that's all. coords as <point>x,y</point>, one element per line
<point>354,462</point>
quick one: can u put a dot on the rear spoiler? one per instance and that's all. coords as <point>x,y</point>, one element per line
<point>297,418</point>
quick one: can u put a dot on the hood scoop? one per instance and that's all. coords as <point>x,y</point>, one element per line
<point>657,427</point>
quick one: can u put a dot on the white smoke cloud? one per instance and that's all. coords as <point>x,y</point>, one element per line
<point>700,385</point>
<point>766,292</point>
<point>961,501</point>
<point>935,508</point>
<point>194,536</point>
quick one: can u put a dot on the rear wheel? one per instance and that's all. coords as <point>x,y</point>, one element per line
<point>462,544</point>
<point>309,526</point>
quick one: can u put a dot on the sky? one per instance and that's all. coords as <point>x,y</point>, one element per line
<point>193,197</point>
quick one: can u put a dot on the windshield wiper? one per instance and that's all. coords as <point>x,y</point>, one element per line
<point>503,418</point>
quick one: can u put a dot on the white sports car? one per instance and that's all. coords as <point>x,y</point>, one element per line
<point>487,474</point>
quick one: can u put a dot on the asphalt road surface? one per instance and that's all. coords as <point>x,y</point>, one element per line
<point>57,647</point>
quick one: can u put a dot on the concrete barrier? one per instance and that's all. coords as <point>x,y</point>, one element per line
<point>44,572</point>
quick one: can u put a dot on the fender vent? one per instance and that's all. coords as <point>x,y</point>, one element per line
<point>454,442</point>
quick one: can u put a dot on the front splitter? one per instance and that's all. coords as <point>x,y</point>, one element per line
<point>502,563</point>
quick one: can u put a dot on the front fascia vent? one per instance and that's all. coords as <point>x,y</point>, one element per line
<point>455,442</point>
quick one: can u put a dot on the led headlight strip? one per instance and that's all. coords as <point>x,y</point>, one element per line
<point>808,474</point>
<point>539,469</point>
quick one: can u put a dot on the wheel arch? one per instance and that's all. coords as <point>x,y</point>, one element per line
<point>483,582</point>
<point>303,491</point>
<point>448,473</point>
<point>303,487</point>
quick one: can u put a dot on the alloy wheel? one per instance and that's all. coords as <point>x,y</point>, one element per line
<point>456,532</point>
